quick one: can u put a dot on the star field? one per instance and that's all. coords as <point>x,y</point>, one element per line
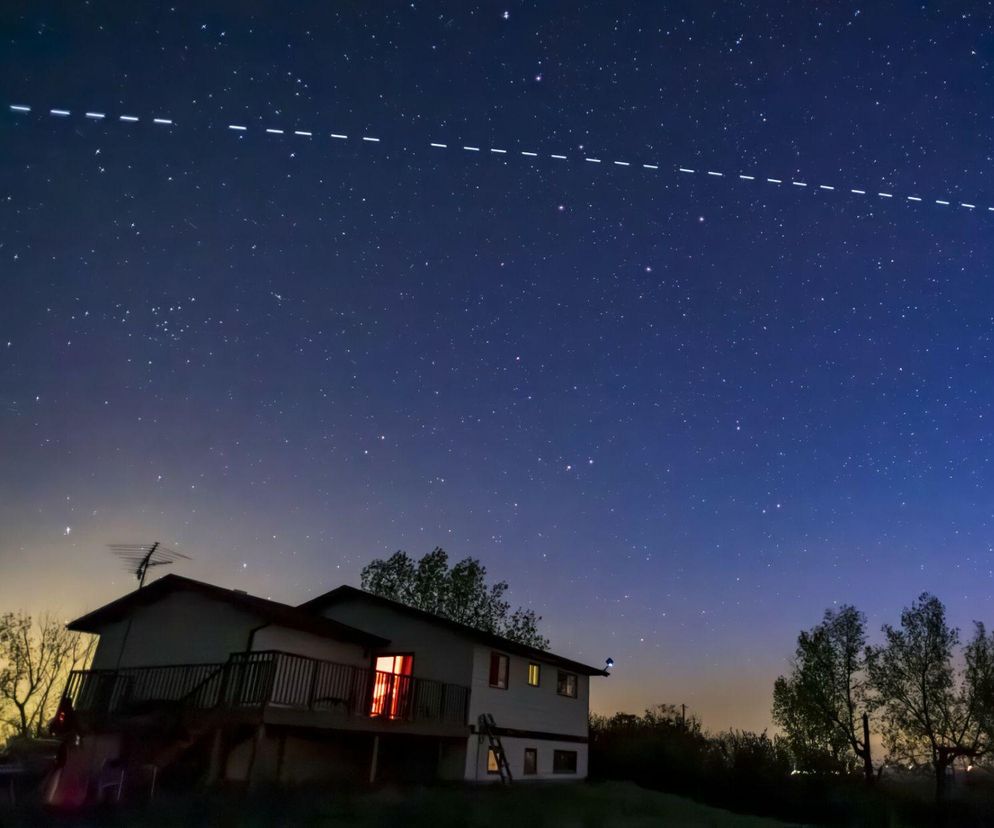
<point>680,413</point>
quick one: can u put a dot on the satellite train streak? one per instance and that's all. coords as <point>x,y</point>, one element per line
<point>24,109</point>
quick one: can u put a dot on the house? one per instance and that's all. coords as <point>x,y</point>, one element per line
<point>194,682</point>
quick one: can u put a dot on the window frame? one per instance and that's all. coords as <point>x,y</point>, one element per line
<point>496,655</point>
<point>538,674</point>
<point>560,684</point>
<point>390,703</point>
<point>557,756</point>
<point>492,754</point>
<point>524,762</point>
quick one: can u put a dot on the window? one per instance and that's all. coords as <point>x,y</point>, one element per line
<point>564,761</point>
<point>566,685</point>
<point>498,670</point>
<point>392,686</point>
<point>534,674</point>
<point>531,762</point>
<point>493,761</point>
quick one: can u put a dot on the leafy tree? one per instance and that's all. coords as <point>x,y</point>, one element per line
<point>931,714</point>
<point>459,593</point>
<point>35,660</point>
<point>821,704</point>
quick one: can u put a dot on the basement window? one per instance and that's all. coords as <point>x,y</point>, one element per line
<point>493,761</point>
<point>564,761</point>
<point>531,762</point>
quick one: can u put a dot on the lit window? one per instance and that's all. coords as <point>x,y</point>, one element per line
<point>564,761</point>
<point>493,761</point>
<point>498,670</point>
<point>392,684</point>
<point>531,762</point>
<point>566,684</point>
<point>534,674</point>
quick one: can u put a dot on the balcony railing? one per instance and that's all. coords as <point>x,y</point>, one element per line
<point>259,680</point>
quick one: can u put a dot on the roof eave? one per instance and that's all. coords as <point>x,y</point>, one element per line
<point>345,591</point>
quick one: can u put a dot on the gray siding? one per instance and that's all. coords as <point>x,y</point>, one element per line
<point>439,653</point>
<point>181,628</point>
<point>310,645</point>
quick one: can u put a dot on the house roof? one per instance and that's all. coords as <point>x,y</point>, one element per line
<point>346,593</point>
<point>272,612</point>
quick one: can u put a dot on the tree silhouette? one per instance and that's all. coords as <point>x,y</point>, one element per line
<point>931,714</point>
<point>459,593</point>
<point>35,660</point>
<point>821,704</point>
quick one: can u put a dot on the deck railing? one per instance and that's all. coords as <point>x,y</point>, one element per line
<point>261,679</point>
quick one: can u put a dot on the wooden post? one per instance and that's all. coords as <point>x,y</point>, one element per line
<point>280,757</point>
<point>214,769</point>
<point>260,734</point>
<point>375,760</point>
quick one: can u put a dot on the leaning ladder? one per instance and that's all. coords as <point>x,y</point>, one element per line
<point>489,728</point>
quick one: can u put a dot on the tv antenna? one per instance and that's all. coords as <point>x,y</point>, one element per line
<point>140,557</point>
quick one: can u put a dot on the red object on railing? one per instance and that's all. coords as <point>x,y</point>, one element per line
<point>64,720</point>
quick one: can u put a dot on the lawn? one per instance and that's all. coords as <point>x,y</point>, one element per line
<point>609,804</point>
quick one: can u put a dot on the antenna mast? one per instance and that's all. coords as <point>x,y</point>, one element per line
<point>139,557</point>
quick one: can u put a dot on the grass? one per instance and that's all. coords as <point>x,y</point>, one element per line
<point>607,804</point>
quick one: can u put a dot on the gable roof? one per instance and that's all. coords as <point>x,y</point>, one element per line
<point>272,612</point>
<point>498,642</point>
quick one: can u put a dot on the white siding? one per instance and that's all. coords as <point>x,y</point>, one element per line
<point>514,748</point>
<point>183,627</point>
<point>522,707</point>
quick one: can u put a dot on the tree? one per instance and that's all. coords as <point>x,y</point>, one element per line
<point>459,593</point>
<point>821,704</point>
<point>35,661</point>
<point>931,714</point>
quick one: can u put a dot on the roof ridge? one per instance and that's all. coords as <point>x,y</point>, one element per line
<point>275,612</point>
<point>493,638</point>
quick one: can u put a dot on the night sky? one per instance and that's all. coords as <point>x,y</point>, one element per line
<point>680,413</point>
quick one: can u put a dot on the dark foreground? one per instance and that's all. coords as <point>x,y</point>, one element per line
<point>610,804</point>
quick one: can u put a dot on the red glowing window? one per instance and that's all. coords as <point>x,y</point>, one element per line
<point>392,686</point>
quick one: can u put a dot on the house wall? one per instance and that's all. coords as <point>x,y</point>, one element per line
<point>439,653</point>
<point>523,707</point>
<point>310,645</point>
<point>292,684</point>
<point>514,749</point>
<point>182,628</point>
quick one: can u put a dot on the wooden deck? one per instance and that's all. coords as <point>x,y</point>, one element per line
<point>268,687</point>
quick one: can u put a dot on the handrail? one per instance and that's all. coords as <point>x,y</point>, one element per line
<point>270,678</point>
